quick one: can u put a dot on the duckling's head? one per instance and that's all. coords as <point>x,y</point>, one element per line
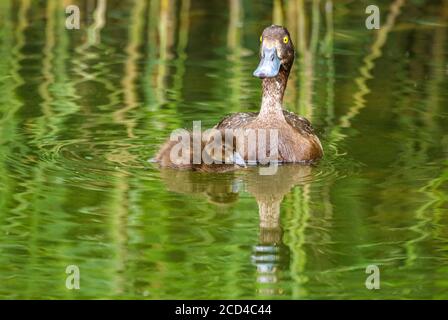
<point>220,149</point>
<point>225,154</point>
<point>276,52</point>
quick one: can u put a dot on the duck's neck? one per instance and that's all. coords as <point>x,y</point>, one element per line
<point>272,100</point>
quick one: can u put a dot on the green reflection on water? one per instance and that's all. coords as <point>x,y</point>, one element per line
<point>81,112</point>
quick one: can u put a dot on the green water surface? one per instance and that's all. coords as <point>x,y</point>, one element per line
<point>82,111</point>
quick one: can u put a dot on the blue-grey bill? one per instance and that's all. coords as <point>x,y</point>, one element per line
<point>269,65</point>
<point>238,160</point>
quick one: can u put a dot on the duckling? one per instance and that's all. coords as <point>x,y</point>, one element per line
<point>297,141</point>
<point>217,154</point>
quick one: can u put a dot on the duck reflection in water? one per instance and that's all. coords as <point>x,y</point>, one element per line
<point>270,254</point>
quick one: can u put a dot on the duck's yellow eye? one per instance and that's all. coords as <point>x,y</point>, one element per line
<point>285,39</point>
<point>261,38</point>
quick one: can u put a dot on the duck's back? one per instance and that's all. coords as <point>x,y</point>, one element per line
<point>243,119</point>
<point>298,143</point>
<point>236,120</point>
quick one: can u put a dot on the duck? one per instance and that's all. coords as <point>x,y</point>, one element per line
<point>297,141</point>
<point>217,153</point>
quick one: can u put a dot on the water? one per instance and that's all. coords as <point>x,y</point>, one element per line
<point>81,112</point>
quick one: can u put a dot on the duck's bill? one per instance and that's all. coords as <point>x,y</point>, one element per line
<point>238,160</point>
<point>269,64</point>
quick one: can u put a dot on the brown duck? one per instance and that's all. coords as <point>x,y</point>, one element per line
<point>296,139</point>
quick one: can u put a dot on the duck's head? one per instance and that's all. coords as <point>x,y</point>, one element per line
<point>276,52</point>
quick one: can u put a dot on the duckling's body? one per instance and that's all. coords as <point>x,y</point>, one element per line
<point>296,139</point>
<point>221,159</point>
